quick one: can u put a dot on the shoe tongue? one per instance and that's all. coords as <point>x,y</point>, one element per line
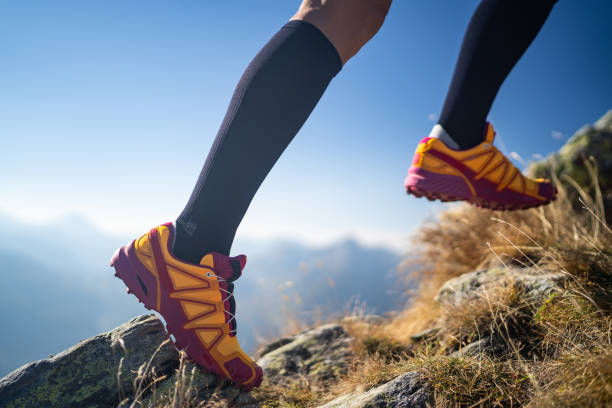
<point>489,133</point>
<point>228,268</point>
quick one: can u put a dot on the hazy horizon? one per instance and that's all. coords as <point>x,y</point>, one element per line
<point>63,290</point>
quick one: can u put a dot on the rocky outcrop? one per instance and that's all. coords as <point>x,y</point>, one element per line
<point>590,141</point>
<point>321,354</point>
<point>105,370</point>
<point>406,391</point>
<point>536,284</point>
<point>136,362</point>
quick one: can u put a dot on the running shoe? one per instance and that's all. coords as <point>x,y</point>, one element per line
<point>482,176</point>
<point>196,301</point>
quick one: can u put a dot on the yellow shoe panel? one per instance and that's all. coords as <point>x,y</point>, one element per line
<point>205,295</point>
<point>194,309</point>
<point>209,336</point>
<point>214,319</point>
<point>181,280</point>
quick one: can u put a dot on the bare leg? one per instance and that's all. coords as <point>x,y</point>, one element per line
<point>348,24</point>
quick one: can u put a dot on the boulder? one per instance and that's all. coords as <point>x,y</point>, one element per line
<point>102,371</point>
<point>537,285</point>
<point>590,141</point>
<point>322,353</point>
<point>406,391</point>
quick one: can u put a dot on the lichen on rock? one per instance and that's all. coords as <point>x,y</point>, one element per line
<point>590,141</point>
<point>322,354</point>
<point>536,284</point>
<point>110,368</point>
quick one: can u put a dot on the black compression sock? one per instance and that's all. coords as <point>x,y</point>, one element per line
<point>273,99</point>
<point>498,34</point>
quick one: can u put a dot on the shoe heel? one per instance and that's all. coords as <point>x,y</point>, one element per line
<point>139,281</point>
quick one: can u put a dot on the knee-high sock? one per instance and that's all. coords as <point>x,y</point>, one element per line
<point>273,99</point>
<point>498,34</point>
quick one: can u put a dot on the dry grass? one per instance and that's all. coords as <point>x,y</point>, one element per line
<point>473,381</point>
<point>577,379</point>
<point>504,315</point>
<point>463,239</point>
<point>181,389</point>
<point>553,354</point>
<point>296,393</point>
<point>577,341</point>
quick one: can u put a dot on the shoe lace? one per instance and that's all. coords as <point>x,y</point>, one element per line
<point>232,312</point>
<point>510,170</point>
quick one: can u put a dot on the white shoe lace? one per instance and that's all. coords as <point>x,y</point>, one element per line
<point>229,296</point>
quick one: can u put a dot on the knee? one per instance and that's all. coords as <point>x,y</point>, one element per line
<point>349,24</point>
<point>377,11</point>
<point>375,14</point>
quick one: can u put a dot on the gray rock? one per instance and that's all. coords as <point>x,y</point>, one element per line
<point>406,391</point>
<point>589,141</point>
<point>195,386</point>
<point>244,400</point>
<point>605,122</point>
<point>537,285</point>
<point>322,354</point>
<point>274,345</point>
<point>488,346</point>
<point>90,374</point>
<point>101,372</point>
<point>370,319</point>
<point>192,383</point>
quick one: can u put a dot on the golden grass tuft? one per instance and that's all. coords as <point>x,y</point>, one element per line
<point>577,379</point>
<point>462,239</point>
<point>473,381</point>
<point>553,354</point>
<point>503,314</point>
<point>295,393</point>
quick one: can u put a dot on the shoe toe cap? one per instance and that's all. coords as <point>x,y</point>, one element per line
<point>247,375</point>
<point>547,190</point>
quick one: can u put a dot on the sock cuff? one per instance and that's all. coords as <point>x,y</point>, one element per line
<point>438,132</point>
<point>327,49</point>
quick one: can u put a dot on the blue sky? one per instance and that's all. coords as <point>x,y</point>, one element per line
<point>108,108</point>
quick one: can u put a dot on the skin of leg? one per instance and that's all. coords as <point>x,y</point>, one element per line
<point>348,24</point>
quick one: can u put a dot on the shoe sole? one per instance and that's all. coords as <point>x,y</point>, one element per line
<point>448,188</point>
<point>143,284</point>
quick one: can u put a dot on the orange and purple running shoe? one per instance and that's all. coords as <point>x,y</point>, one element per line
<point>481,175</point>
<point>196,301</point>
